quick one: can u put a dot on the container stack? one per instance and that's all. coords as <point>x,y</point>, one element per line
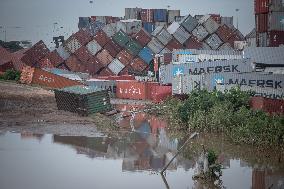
<point>269,22</point>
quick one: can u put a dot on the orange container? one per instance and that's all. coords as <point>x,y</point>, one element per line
<point>271,106</point>
<point>131,89</point>
<point>159,93</point>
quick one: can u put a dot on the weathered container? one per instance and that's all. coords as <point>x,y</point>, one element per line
<point>142,37</point>
<point>261,22</point>
<point>193,43</point>
<point>95,26</point>
<point>216,18</point>
<point>162,35</point>
<point>168,72</point>
<point>72,45</point>
<point>131,90</point>
<point>84,22</point>
<point>225,46</point>
<point>229,21</point>
<point>93,66</point>
<point>74,64</point>
<point>210,25</point>
<point>121,38</point>
<point>178,32</point>
<point>106,72</point>
<point>147,15</point>
<point>160,15</point>
<point>163,24</point>
<point>205,46</point>
<point>174,44</point>
<point>214,41</point>
<point>276,21</point>
<point>63,53</point>
<point>265,55</point>
<point>263,39</point>
<point>63,66</point>
<point>129,26</point>
<point>200,33</point>
<point>112,48</point>
<point>146,54</point>
<point>138,64</point>
<point>155,45</point>
<point>44,78</point>
<point>109,30</point>
<point>116,66</point>
<point>104,57</point>
<point>261,6</point>
<point>224,32</point>
<point>159,93</point>
<point>35,53</point>
<point>276,6</point>
<point>133,47</point>
<point>276,38</point>
<point>167,58</point>
<point>82,36</point>
<point>179,18</point>
<point>83,54</point>
<point>172,14</point>
<point>101,38</point>
<point>189,23</point>
<point>149,26</point>
<point>109,85</point>
<point>44,63</point>
<point>83,100</point>
<point>101,19</point>
<point>132,13</point>
<point>190,83</point>
<point>124,57</point>
<point>165,50</point>
<point>54,58</point>
<point>93,47</point>
<point>271,106</point>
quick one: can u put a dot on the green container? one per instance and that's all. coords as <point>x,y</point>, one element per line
<point>121,38</point>
<point>83,100</point>
<point>133,47</point>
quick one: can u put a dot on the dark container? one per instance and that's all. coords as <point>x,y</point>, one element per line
<point>174,44</point>
<point>138,65</point>
<point>112,48</point>
<point>142,37</point>
<point>271,106</point>
<point>147,15</point>
<point>124,57</point>
<point>149,26</point>
<point>83,54</point>
<point>261,6</point>
<point>224,32</point>
<point>160,15</point>
<point>54,58</point>
<point>121,38</point>
<point>261,22</point>
<point>83,37</point>
<point>104,57</point>
<point>102,38</point>
<point>276,38</point>
<point>193,43</point>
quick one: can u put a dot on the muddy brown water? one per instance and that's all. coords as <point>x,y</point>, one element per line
<point>129,158</point>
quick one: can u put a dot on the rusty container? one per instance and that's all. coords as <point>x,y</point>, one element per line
<point>106,72</point>
<point>124,57</point>
<point>112,48</point>
<point>193,43</point>
<point>261,22</point>
<point>159,93</point>
<point>73,63</point>
<point>271,106</point>
<point>224,32</point>
<point>83,54</point>
<point>45,63</point>
<point>83,37</point>
<point>105,57</point>
<point>102,38</point>
<point>261,6</point>
<point>131,90</point>
<point>142,37</point>
<point>138,65</point>
<point>174,44</point>
<point>54,58</point>
<point>94,66</point>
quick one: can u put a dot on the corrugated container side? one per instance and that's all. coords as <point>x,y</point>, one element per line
<point>261,6</point>
<point>174,44</point>
<point>108,85</point>
<point>224,32</point>
<point>106,72</point>
<point>276,6</point>
<point>129,26</point>
<point>216,18</point>
<point>109,30</point>
<point>55,58</point>
<point>95,26</point>
<point>116,66</point>
<point>112,48</point>
<point>63,53</point>
<point>94,66</point>
<point>104,57</point>
<point>93,47</point>
<point>168,58</point>
<point>133,47</point>
<point>189,23</point>
<point>211,26</point>
<point>227,20</point>
<point>160,15</point>
<point>214,41</point>
<point>132,13</point>
<point>142,37</point>
<point>72,45</point>
<point>101,38</point>
<point>181,35</point>
<point>138,64</point>
<point>101,19</point>
<point>193,82</point>
<point>149,26</point>
<point>225,46</point>
<point>200,33</point>
<point>83,54</point>
<point>276,21</point>
<point>124,57</point>
<point>147,15</point>
<point>165,50</point>
<point>155,45</point>
<point>263,39</point>
<point>271,106</point>
<point>205,46</point>
<point>276,38</point>
<point>73,63</point>
<point>121,38</point>
<point>131,90</point>
<point>261,22</point>
<point>84,22</point>
<point>267,55</point>
<point>163,24</point>
<point>179,18</point>
<point>146,54</point>
<point>162,34</point>
<point>172,14</point>
<point>193,43</point>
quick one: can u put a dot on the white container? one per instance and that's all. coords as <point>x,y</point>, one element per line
<point>130,26</point>
<point>178,32</point>
<point>162,35</point>
<point>109,30</point>
<point>63,53</point>
<point>200,33</point>
<point>225,46</point>
<point>93,47</point>
<point>73,45</point>
<point>116,66</point>
<point>172,14</point>
<point>211,25</point>
<point>214,41</point>
<point>155,45</point>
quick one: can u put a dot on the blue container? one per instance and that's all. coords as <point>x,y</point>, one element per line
<point>160,15</point>
<point>149,26</point>
<point>146,54</point>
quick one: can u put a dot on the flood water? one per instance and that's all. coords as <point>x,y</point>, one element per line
<point>130,159</point>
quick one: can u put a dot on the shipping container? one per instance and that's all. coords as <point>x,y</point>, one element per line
<point>101,38</point>
<point>138,64</point>
<point>210,25</point>
<point>162,35</point>
<point>214,41</point>
<point>262,40</point>
<point>109,85</point>
<point>178,32</point>
<point>172,14</point>
<point>72,45</point>
<point>104,57</point>
<point>133,47</point>
<point>149,26</point>
<point>129,26</point>
<point>109,30</point>
<point>276,38</point>
<point>225,46</point>
<point>229,21</point>
<point>265,55</point>
<point>131,90</point>
<point>165,50</point>
<point>63,66</point>
<point>74,64</point>
<point>216,18</point>
<point>116,66</point>
<point>146,54</point>
<point>83,54</point>
<point>261,23</point>
<point>54,58</point>
<point>43,63</point>
<point>159,93</point>
<point>84,100</point>
<point>261,6</point>
<point>63,53</point>
<point>35,53</point>
<point>193,43</point>
<point>179,18</point>
<point>224,32</point>
<point>271,106</point>
<point>205,46</point>
<point>112,48</point>
<point>142,37</point>
<point>160,15</point>
<point>168,72</point>
<point>276,21</point>
<point>189,23</point>
<point>147,15</point>
<point>93,66</point>
<point>163,24</point>
<point>95,26</point>
<point>174,44</point>
<point>93,47</point>
<point>132,13</point>
<point>84,22</point>
<point>200,33</point>
<point>124,57</point>
<point>155,45</point>
<point>106,72</point>
<point>101,19</point>
<point>276,6</point>
<point>167,59</point>
<point>121,38</point>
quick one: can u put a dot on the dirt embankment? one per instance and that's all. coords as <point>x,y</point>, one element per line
<point>26,108</point>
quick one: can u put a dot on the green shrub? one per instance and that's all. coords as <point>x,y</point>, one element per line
<point>11,74</point>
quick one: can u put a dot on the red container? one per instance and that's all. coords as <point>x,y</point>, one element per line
<point>104,57</point>
<point>83,54</point>
<point>54,58</point>
<point>234,38</point>
<point>216,17</point>
<point>147,15</point>
<point>125,71</point>
<point>224,32</point>
<point>174,44</point>
<point>156,124</point>
<point>6,66</point>
<point>138,65</point>
<point>193,43</point>
<point>261,22</point>
<point>276,38</point>
<point>261,6</point>
<point>150,87</point>
<point>102,38</point>
<point>168,58</point>
<point>115,77</point>
<point>271,106</point>
<point>83,37</point>
<point>45,63</point>
<point>131,90</point>
<point>160,93</point>
<point>63,66</point>
<point>124,57</point>
<point>105,72</point>
<point>93,66</point>
<point>73,63</point>
<point>112,48</point>
<point>142,37</point>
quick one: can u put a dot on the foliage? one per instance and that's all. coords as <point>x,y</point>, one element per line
<point>11,45</point>
<point>11,74</point>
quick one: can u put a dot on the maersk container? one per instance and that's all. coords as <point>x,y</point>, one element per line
<point>109,85</point>
<point>189,23</point>
<point>146,54</point>
<point>178,32</point>
<point>211,25</point>
<point>155,45</point>
<point>121,38</point>
<point>214,41</point>
<point>200,33</point>
<point>276,21</point>
<point>93,47</point>
<point>265,55</point>
<point>172,14</point>
<point>133,47</point>
<point>160,15</point>
<point>162,34</point>
<point>168,72</point>
<point>116,66</point>
<point>149,26</point>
